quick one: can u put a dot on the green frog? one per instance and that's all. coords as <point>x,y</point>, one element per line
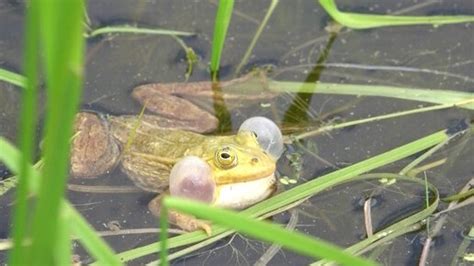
<point>147,148</point>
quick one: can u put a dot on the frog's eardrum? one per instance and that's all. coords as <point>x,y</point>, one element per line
<point>268,134</point>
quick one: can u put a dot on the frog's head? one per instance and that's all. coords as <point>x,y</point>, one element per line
<point>231,171</point>
<point>243,172</point>
<point>239,158</point>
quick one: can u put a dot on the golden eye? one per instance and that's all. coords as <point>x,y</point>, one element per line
<point>226,158</point>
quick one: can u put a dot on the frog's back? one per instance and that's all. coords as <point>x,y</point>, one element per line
<point>150,151</point>
<point>153,135</point>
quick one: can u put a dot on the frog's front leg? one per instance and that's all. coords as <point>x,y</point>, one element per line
<point>159,98</point>
<point>94,151</point>
<point>186,222</point>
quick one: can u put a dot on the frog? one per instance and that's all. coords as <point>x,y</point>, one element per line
<point>147,147</point>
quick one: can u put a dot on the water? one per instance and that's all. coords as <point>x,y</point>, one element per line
<point>417,56</point>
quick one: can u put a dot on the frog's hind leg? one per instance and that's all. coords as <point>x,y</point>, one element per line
<point>93,149</point>
<point>159,99</point>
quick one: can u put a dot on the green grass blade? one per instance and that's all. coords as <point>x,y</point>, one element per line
<point>330,127</point>
<point>164,235</point>
<point>439,96</point>
<point>412,94</point>
<point>63,247</point>
<point>21,230</point>
<point>255,38</point>
<point>7,184</point>
<point>460,196</point>
<point>345,174</point>
<point>221,24</point>
<point>404,223</point>
<point>367,21</point>
<point>86,234</point>
<point>463,253</point>
<point>12,77</point>
<point>190,55</point>
<point>295,241</point>
<point>137,30</point>
<point>62,42</point>
<point>10,156</point>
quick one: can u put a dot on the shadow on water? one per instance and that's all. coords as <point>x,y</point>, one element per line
<point>299,110</point>
<point>220,109</point>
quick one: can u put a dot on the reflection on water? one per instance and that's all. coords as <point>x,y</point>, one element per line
<point>299,110</point>
<point>420,57</point>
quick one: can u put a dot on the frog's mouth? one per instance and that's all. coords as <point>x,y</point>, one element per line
<point>243,194</point>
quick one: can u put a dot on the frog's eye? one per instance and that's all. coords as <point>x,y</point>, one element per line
<point>226,158</point>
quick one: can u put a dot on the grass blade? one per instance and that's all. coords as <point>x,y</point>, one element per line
<point>255,38</point>
<point>404,223</point>
<point>345,174</point>
<point>412,94</point>
<point>440,96</point>
<point>63,60</point>
<point>12,77</point>
<point>265,231</point>
<point>11,157</point>
<point>164,235</point>
<point>63,243</point>
<point>132,29</point>
<point>221,24</point>
<point>331,127</point>
<point>367,21</point>
<point>21,230</point>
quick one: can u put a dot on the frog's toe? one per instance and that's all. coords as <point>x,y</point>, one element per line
<point>155,205</point>
<point>206,227</point>
<point>183,221</point>
<point>93,149</point>
<point>189,223</point>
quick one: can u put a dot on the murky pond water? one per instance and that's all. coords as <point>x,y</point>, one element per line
<point>413,57</point>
